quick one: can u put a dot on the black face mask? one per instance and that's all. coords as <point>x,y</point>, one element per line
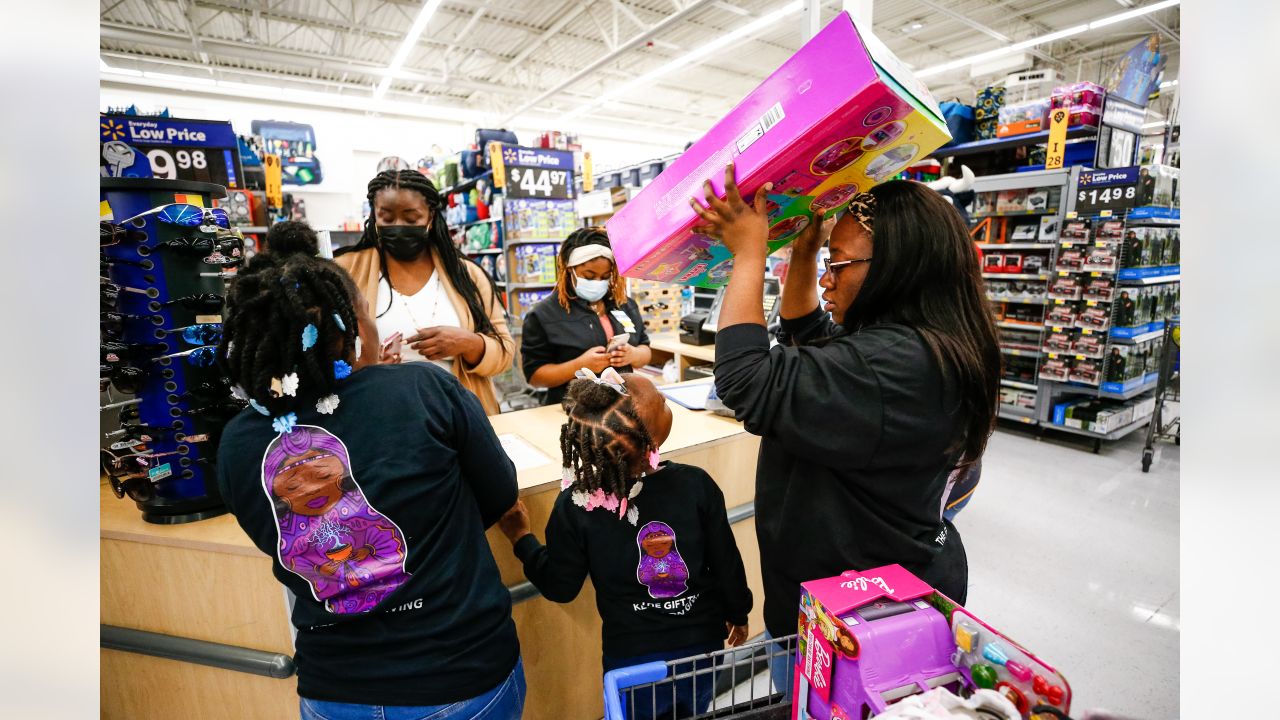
<point>403,242</point>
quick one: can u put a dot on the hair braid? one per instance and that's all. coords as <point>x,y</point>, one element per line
<point>603,442</point>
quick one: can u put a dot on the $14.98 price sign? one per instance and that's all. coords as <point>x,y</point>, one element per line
<point>537,173</point>
<point>1114,190</point>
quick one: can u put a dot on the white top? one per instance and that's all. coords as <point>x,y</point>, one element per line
<point>426,308</point>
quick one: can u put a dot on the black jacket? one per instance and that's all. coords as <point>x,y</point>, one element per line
<point>672,595</point>
<point>374,516</point>
<point>550,335</point>
<point>853,458</point>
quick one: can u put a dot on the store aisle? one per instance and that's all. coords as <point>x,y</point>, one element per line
<point>1075,556</point>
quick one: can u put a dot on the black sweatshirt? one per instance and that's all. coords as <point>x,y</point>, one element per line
<point>550,335</point>
<point>671,580</point>
<point>853,458</point>
<point>379,512</point>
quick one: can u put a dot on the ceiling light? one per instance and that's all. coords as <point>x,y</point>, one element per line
<point>183,79</point>
<point>406,46</point>
<point>755,26</point>
<point>104,67</point>
<point>1042,39</point>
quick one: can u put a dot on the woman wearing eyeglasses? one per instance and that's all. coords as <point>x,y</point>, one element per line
<point>583,323</point>
<point>875,398</point>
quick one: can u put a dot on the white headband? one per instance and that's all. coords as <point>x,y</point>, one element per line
<point>587,253</point>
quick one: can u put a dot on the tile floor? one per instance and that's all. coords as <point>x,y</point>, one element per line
<point>1075,556</point>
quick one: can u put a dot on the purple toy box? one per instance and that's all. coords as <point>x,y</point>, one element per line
<point>869,639</point>
<point>841,115</point>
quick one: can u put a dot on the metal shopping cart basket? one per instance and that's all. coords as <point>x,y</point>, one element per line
<point>733,683</point>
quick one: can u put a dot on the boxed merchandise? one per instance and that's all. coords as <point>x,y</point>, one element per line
<point>1024,231</point>
<point>1061,316</point>
<point>1087,345</point>
<point>1085,372</point>
<point>1055,369</point>
<point>1094,318</point>
<point>1023,118</point>
<point>984,203</point>
<point>1081,93</point>
<point>1153,247</point>
<point>1158,186</point>
<point>1020,367</point>
<point>1058,342</point>
<point>1135,240</point>
<point>1012,263</point>
<point>1126,310</point>
<point>867,639</point>
<point>1070,260</point>
<point>1048,228</point>
<point>1084,115</point>
<point>1066,288</point>
<point>1099,289</point>
<point>534,263</point>
<point>1077,231</point>
<point>986,112</point>
<point>1111,230</point>
<point>1019,339</point>
<point>1033,264</point>
<point>840,116</point>
<point>1102,259</point>
<point>1011,201</point>
<point>1041,199</point>
<point>993,263</point>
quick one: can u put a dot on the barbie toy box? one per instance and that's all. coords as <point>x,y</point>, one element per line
<point>841,115</point>
<point>868,639</point>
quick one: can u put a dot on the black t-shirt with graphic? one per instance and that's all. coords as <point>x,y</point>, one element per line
<point>374,516</point>
<point>667,576</point>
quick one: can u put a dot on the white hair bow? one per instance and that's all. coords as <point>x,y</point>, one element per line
<point>609,377</point>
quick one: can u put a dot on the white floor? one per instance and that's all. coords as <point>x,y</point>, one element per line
<point>1075,556</point>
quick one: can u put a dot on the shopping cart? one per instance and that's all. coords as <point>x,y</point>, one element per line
<point>735,683</point>
<point>1167,390</point>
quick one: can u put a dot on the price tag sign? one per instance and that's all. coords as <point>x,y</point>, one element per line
<point>1072,216</point>
<point>588,180</point>
<point>275,180</point>
<point>200,150</point>
<point>1107,190</point>
<point>1056,149</point>
<point>538,173</point>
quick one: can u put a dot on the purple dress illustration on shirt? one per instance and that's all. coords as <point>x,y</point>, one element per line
<point>661,568</point>
<point>351,555</point>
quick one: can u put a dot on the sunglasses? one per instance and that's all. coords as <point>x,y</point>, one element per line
<point>145,433</point>
<point>124,378</point>
<point>111,323</point>
<point>114,352</point>
<point>105,263</point>
<point>199,301</point>
<point>193,245</point>
<point>205,392</point>
<point>829,266</point>
<point>218,410</point>
<point>111,234</point>
<point>183,215</point>
<point>202,334</point>
<point>204,357</point>
<point>109,293</point>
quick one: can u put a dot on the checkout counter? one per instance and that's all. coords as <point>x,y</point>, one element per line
<point>195,625</point>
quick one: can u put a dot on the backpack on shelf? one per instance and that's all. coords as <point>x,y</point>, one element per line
<point>486,136</point>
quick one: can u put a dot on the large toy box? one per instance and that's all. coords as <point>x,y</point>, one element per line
<point>841,115</point>
<point>868,639</point>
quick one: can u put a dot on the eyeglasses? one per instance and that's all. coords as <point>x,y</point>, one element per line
<point>199,301</point>
<point>111,234</point>
<point>109,293</point>
<point>114,352</point>
<point>200,357</point>
<point>829,266</point>
<point>125,378</point>
<point>202,334</point>
<point>184,215</point>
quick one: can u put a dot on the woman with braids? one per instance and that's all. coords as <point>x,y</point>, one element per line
<point>419,285</point>
<point>872,402</point>
<point>653,536</point>
<point>575,327</point>
<point>370,487</point>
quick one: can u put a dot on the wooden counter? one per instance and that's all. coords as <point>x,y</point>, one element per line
<point>207,581</point>
<point>667,345</point>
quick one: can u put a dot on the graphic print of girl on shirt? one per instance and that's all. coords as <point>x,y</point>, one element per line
<point>350,554</point>
<point>661,568</point>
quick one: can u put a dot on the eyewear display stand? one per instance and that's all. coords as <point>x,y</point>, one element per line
<point>171,282</point>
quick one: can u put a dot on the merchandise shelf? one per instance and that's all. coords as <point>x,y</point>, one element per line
<point>489,251</point>
<point>532,241</point>
<point>1016,246</point>
<point>1161,280</point>
<point>467,184</point>
<point>1020,326</point>
<point>1138,338</point>
<point>1113,435</point>
<point>524,286</point>
<point>1020,414</point>
<point>1020,352</point>
<point>1019,213</point>
<point>1013,141</point>
<point>1135,392</point>
<point>1014,276</point>
<point>1020,385</point>
<point>486,221</point>
<point>1023,299</point>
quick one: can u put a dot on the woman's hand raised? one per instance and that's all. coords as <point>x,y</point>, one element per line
<point>742,227</point>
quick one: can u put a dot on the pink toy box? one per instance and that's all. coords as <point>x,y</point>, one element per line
<point>841,115</point>
<point>868,639</point>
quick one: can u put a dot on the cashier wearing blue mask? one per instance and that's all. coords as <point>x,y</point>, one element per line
<point>587,322</point>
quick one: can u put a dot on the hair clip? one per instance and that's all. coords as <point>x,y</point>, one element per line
<point>341,370</point>
<point>337,320</point>
<point>238,393</point>
<point>863,209</point>
<point>566,478</point>
<point>609,377</point>
<point>309,336</point>
<point>326,405</point>
<point>254,404</point>
<point>289,384</point>
<point>284,424</point>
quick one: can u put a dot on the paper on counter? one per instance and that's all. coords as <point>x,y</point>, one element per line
<point>523,454</point>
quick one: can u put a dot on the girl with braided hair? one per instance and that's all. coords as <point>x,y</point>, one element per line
<point>653,536</point>
<point>370,487</point>
<point>419,285</point>
<point>576,325</point>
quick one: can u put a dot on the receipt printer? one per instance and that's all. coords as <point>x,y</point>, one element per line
<point>693,329</point>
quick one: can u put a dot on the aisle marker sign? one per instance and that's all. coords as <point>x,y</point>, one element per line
<point>499,167</point>
<point>274,180</point>
<point>588,181</point>
<point>1057,149</point>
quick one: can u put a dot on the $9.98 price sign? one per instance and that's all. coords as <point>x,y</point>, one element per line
<point>178,149</point>
<point>1107,190</point>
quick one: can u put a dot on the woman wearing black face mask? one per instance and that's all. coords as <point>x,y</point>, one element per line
<point>420,286</point>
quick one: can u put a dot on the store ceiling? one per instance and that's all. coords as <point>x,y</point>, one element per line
<point>496,60</point>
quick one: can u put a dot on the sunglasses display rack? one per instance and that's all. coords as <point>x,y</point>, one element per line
<point>164,252</point>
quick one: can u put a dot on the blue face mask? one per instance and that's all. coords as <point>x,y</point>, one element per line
<point>590,290</point>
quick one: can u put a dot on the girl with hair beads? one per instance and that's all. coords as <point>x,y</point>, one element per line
<point>653,536</point>
<point>370,487</point>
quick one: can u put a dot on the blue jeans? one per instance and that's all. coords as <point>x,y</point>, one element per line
<point>782,668</point>
<point>504,702</point>
<point>653,704</point>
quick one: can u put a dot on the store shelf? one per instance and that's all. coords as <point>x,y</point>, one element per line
<point>1020,299</point>
<point>1135,392</point>
<point>490,251</point>
<point>1014,276</point>
<point>1008,143</point>
<point>1113,435</point>
<point>524,286</point>
<point>478,222</point>
<point>466,184</point>
<point>1019,213</point>
<point>1020,352</point>
<point>1015,246</point>
<point>256,229</point>
<point>1020,385</point>
<point>1019,414</point>
<point>1145,337</point>
<point>544,241</point>
<point>1038,327</point>
<point>1161,280</point>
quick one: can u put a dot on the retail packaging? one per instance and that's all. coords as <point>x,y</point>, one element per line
<point>1023,118</point>
<point>534,263</point>
<point>1084,94</point>
<point>841,115</point>
<point>867,639</point>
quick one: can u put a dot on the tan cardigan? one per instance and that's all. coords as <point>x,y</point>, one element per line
<point>499,348</point>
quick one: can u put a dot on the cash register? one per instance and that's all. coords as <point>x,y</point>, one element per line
<point>699,327</point>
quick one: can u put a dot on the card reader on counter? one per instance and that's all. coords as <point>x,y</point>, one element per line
<point>693,330</point>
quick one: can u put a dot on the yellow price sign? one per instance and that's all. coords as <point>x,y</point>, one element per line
<point>1105,213</point>
<point>1056,149</point>
<point>588,182</point>
<point>272,172</point>
<point>495,162</point>
<point>1073,215</point>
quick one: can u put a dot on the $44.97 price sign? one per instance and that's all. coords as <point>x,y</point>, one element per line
<point>1114,190</point>
<point>536,173</point>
